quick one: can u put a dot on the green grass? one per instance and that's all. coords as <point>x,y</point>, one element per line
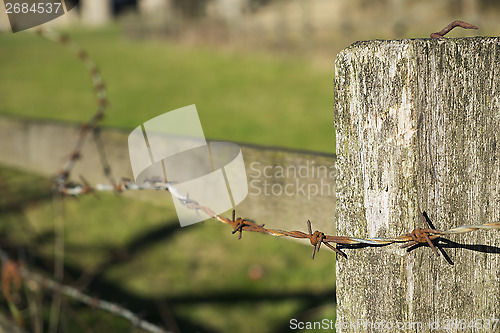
<point>243,97</point>
<point>135,254</point>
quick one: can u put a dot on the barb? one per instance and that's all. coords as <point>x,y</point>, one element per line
<point>317,238</point>
<point>462,24</point>
<point>420,236</point>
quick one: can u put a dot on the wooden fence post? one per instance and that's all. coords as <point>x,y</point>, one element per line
<point>418,125</point>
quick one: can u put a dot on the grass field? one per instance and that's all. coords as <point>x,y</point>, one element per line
<point>243,97</point>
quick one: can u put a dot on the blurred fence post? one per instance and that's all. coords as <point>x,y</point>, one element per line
<point>418,125</point>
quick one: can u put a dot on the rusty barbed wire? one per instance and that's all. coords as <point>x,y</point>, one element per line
<point>417,236</point>
<point>449,27</point>
<point>60,185</point>
<point>92,123</point>
<point>12,272</point>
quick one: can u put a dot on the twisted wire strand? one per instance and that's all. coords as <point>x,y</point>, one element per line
<point>468,228</point>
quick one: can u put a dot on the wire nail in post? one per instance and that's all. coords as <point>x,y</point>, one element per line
<point>454,24</point>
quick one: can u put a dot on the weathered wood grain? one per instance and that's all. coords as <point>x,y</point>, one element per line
<point>418,125</point>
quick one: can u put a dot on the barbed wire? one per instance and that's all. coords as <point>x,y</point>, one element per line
<point>12,271</point>
<point>92,125</point>
<point>316,238</point>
